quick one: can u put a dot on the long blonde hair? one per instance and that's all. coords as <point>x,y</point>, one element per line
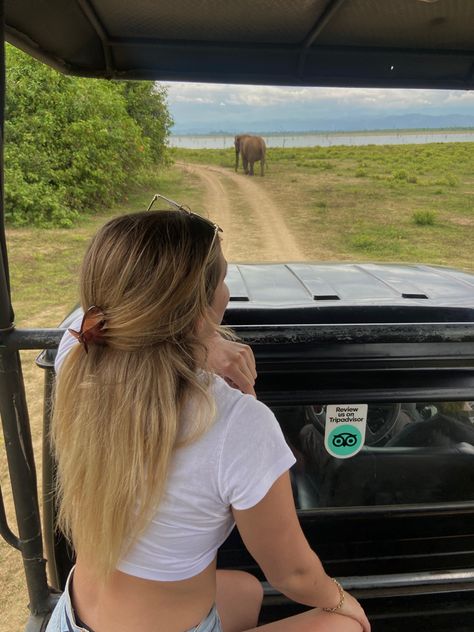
<point>117,408</point>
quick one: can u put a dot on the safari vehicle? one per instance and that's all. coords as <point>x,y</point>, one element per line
<point>383,350</point>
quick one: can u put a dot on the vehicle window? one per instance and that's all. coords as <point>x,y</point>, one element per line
<point>419,452</point>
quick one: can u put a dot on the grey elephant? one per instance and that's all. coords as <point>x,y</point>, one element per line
<point>253,149</point>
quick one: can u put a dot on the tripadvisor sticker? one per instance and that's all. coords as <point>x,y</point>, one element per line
<point>344,435</point>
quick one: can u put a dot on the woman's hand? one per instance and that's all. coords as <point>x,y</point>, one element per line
<point>233,361</point>
<point>352,608</point>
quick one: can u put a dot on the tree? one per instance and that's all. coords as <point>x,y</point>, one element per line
<point>146,104</point>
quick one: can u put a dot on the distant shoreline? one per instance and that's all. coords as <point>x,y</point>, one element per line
<point>329,139</point>
<point>411,130</point>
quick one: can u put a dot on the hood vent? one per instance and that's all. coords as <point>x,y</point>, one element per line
<point>413,295</point>
<point>326,297</point>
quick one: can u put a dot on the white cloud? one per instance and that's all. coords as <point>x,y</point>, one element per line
<point>218,107</point>
<point>266,96</point>
<point>181,98</point>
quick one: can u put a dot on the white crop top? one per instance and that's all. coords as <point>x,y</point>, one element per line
<point>233,464</point>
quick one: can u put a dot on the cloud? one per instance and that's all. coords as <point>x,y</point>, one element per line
<point>189,99</point>
<point>269,96</point>
<point>217,107</point>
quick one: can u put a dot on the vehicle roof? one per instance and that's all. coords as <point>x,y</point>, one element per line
<point>379,43</point>
<point>348,293</point>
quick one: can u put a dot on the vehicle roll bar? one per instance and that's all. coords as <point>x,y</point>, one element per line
<point>15,421</point>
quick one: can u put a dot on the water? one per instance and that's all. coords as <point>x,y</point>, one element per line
<point>329,139</point>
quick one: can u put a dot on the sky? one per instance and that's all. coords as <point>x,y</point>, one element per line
<point>207,108</point>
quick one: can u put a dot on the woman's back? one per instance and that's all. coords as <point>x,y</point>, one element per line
<point>157,457</point>
<point>233,464</point>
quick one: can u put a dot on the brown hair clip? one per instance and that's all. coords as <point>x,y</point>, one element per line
<point>92,325</point>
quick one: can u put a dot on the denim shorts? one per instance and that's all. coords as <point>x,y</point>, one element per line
<point>63,618</point>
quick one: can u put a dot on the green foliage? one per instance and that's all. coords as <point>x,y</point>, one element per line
<point>146,104</point>
<point>448,179</point>
<point>424,218</point>
<point>74,145</point>
<point>403,175</point>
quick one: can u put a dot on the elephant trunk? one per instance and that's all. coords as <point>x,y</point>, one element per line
<point>236,159</point>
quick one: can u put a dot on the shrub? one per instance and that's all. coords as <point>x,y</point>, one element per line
<point>449,180</point>
<point>403,176</point>
<point>72,144</point>
<point>424,218</point>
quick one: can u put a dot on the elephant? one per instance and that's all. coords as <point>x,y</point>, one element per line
<point>253,149</point>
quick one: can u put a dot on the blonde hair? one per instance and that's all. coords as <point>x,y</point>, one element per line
<point>118,408</point>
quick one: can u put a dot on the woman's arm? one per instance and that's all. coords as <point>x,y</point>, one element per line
<point>273,536</point>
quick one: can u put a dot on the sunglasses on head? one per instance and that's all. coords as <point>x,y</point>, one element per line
<point>215,227</point>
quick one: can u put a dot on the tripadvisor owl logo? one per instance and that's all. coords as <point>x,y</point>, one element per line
<point>345,429</point>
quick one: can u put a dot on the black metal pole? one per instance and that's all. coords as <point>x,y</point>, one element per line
<point>49,513</point>
<point>13,410</point>
<point>18,446</point>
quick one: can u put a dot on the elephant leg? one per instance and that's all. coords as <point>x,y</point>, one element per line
<point>245,164</point>
<point>262,167</point>
<point>251,168</point>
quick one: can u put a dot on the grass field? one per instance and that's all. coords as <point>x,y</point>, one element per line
<point>407,203</point>
<point>387,203</point>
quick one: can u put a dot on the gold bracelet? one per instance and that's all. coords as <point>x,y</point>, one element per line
<point>342,597</point>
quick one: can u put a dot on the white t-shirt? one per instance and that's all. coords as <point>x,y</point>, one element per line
<point>233,464</point>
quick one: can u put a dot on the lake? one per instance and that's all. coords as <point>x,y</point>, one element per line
<point>402,137</point>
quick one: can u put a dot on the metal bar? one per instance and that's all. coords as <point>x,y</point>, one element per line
<point>31,339</point>
<point>98,27</point>
<point>398,580</point>
<point>49,513</point>
<point>6,311</point>
<point>14,413</point>
<point>289,333</point>
<point>5,530</point>
<point>357,333</point>
<point>326,17</point>
<point>201,46</point>
<point>18,446</point>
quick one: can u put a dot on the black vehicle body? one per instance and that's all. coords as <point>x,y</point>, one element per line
<point>395,522</point>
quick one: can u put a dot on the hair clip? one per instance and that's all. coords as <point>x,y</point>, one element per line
<point>92,326</point>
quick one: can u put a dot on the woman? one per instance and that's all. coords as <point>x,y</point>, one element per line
<point>158,456</point>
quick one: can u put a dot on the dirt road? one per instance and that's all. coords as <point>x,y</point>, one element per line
<point>254,226</point>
